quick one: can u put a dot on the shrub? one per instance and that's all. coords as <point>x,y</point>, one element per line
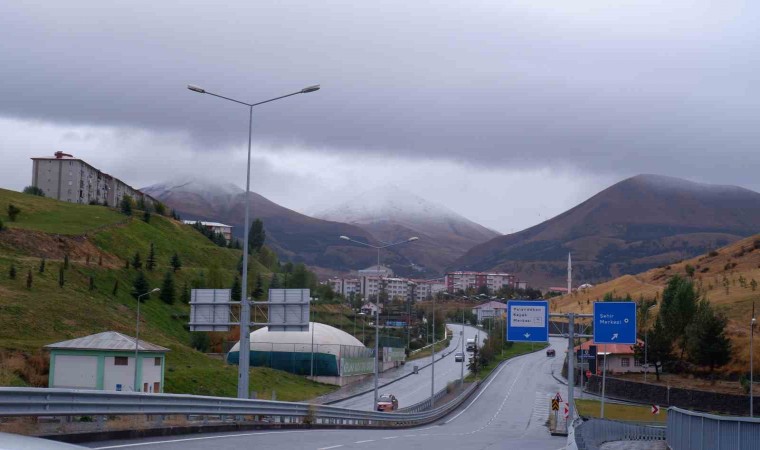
<point>713,253</point>
<point>34,190</point>
<point>200,341</point>
<point>13,211</point>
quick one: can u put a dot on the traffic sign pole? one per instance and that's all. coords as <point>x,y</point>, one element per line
<point>570,361</point>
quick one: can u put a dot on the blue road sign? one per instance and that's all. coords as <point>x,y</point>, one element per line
<point>528,321</point>
<point>614,323</point>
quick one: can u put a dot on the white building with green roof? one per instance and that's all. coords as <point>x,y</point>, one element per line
<point>106,361</point>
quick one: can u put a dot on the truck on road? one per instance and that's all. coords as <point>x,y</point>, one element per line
<point>470,345</point>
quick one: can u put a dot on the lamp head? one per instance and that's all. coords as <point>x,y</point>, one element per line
<point>345,238</point>
<point>195,88</point>
<point>412,239</point>
<point>155,290</point>
<point>308,89</point>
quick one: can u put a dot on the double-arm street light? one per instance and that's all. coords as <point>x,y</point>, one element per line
<point>377,309</point>
<point>245,307</point>
<point>752,324</point>
<point>136,388</point>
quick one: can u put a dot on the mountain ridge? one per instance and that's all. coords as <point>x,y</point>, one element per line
<point>631,226</point>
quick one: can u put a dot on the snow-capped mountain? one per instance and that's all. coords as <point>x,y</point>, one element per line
<point>391,213</point>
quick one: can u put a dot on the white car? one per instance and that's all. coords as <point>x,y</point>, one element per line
<point>458,357</point>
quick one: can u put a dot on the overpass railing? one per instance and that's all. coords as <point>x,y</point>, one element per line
<point>69,402</point>
<point>591,434</point>
<point>694,430</point>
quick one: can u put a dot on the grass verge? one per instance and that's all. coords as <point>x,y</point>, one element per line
<point>616,411</point>
<point>518,349</point>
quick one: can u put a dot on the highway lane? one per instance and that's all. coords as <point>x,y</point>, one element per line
<point>416,388</point>
<point>509,411</point>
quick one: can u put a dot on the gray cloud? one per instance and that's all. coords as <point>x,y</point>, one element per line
<point>623,87</point>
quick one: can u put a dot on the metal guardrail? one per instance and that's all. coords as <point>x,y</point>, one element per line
<point>69,402</point>
<point>591,434</point>
<point>425,404</point>
<point>692,430</point>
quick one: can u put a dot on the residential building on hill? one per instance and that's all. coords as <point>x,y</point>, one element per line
<point>66,178</point>
<point>345,286</point>
<point>216,227</point>
<point>427,289</point>
<point>490,310</point>
<point>462,281</point>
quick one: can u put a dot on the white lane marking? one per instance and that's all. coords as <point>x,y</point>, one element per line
<point>390,437</point>
<point>477,396</point>
<point>362,442</point>
<point>328,448</point>
<point>203,438</point>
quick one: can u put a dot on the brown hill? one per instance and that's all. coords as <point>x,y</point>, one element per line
<point>725,276</point>
<point>294,236</point>
<point>634,225</point>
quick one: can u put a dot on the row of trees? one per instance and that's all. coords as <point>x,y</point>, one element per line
<point>687,329</point>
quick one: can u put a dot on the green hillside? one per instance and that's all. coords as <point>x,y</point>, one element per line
<point>98,242</point>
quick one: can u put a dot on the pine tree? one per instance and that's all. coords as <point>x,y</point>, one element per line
<point>146,216</point>
<point>126,264</point>
<point>126,205</point>
<point>258,290</point>
<point>115,289</point>
<point>13,212</point>
<point>707,342</point>
<point>679,304</point>
<point>274,283</point>
<point>66,261</point>
<point>257,236</point>
<point>12,272</point>
<point>140,286</point>
<point>136,261</point>
<point>184,297</point>
<point>175,262</point>
<point>61,279</point>
<point>150,263</point>
<point>167,288</point>
<point>92,283</point>
<point>236,294</point>
<point>29,279</point>
<point>42,266</point>
<point>100,260</point>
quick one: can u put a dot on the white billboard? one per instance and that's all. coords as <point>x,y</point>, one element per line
<point>289,309</point>
<point>210,310</point>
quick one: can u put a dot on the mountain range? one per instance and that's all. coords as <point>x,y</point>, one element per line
<point>637,224</point>
<point>375,217</point>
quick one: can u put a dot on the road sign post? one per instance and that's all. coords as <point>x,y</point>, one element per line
<point>528,321</point>
<point>614,323</point>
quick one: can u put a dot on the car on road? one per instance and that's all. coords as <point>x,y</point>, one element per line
<point>458,357</point>
<point>550,353</point>
<point>387,402</point>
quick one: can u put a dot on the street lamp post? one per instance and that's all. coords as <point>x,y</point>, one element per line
<point>751,365</point>
<point>646,346</point>
<point>135,387</point>
<point>377,313</point>
<point>245,307</point>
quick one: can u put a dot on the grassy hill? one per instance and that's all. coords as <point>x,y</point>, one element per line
<point>725,276</point>
<point>98,241</point>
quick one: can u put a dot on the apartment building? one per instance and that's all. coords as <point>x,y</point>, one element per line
<point>216,227</point>
<point>462,281</point>
<point>427,289</point>
<point>345,286</point>
<point>66,178</point>
<point>395,288</point>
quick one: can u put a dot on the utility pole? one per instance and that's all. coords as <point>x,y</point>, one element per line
<point>570,365</point>
<point>461,377</point>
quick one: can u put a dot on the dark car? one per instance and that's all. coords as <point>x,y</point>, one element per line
<point>550,353</point>
<point>387,402</point>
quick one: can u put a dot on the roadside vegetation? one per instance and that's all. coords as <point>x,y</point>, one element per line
<point>69,270</point>
<point>617,411</point>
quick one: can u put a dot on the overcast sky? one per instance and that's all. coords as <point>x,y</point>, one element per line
<point>506,112</point>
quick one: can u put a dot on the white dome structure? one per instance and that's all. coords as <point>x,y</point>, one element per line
<point>292,350</point>
<point>323,335</point>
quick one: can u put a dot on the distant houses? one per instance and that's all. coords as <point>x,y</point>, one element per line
<point>216,227</point>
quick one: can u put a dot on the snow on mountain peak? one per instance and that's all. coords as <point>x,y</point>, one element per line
<point>206,188</point>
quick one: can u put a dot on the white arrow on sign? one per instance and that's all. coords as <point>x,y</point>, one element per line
<point>567,410</point>
<point>614,336</point>
<point>527,335</point>
<point>655,409</point>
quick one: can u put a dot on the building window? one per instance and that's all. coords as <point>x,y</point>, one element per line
<point>637,362</point>
<point>157,361</point>
<point>120,361</point>
<point>625,362</point>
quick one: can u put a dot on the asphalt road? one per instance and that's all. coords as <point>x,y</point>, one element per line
<point>509,412</point>
<point>416,388</point>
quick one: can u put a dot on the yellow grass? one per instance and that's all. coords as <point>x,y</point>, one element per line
<point>616,411</point>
